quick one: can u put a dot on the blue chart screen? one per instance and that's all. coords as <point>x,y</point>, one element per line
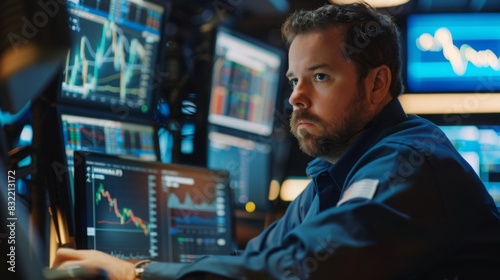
<point>113,54</point>
<point>197,204</point>
<point>480,147</point>
<point>245,84</point>
<point>453,53</point>
<point>119,213</point>
<point>249,165</point>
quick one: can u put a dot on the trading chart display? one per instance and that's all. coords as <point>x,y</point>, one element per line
<point>106,136</point>
<point>148,210</point>
<point>122,220</point>
<point>453,52</point>
<point>196,202</point>
<point>112,58</point>
<point>248,163</point>
<point>245,83</point>
<point>479,145</point>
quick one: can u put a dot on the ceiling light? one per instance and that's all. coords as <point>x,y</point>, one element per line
<point>374,3</point>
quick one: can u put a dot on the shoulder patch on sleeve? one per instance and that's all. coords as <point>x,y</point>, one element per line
<point>361,189</point>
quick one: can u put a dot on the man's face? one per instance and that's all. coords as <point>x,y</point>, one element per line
<point>327,98</point>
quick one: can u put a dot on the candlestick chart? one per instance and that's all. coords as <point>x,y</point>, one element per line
<point>125,210</point>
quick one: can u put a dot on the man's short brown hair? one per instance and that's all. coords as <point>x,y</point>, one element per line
<point>371,39</point>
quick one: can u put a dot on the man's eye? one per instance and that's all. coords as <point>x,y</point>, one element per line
<point>320,77</point>
<point>292,83</point>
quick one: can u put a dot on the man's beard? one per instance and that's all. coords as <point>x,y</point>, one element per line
<point>336,138</point>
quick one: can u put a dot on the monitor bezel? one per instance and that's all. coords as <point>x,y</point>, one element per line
<point>116,116</point>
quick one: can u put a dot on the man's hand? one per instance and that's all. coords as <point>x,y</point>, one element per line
<point>117,269</point>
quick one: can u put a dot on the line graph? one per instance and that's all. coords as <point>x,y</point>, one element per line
<point>110,60</point>
<point>195,208</point>
<point>108,64</point>
<point>92,137</point>
<point>458,57</point>
<point>124,215</point>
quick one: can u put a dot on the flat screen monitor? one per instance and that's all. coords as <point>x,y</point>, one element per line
<point>131,137</point>
<point>453,52</point>
<point>249,163</point>
<point>477,138</point>
<point>149,210</point>
<point>113,58</point>
<point>245,83</point>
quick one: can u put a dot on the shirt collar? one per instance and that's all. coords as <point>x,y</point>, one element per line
<point>392,114</point>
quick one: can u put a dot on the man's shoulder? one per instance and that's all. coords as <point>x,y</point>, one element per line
<point>414,132</point>
<point>413,138</point>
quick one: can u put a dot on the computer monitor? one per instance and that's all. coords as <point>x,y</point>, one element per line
<point>136,210</point>
<point>477,138</point>
<point>245,83</point>
<point>66,129</point>
<point>99,132</point>
<point>113,60</point>
<point>249,163</point>
<point>453,52</point>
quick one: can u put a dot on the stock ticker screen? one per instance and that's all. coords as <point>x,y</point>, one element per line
<point>479,145</point>
<point>245,83</point>
<point>113,56</point>
<point>82,133</point>
<point>453,52</point>
<point>142,210</point>
<point>249,163</point>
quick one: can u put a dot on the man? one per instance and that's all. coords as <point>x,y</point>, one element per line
<point>390,197</point>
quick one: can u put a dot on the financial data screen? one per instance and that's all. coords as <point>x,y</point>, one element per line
<point>453,52</point>
<point>121,210</point>
<point>249,165</point>
<point>245,84</point>
<point>113,57</point>
<point>142,210</point>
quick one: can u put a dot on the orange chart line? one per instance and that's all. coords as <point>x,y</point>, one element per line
<point>125,216</point>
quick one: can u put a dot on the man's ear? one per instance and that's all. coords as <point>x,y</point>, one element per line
<point>378,82</point>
